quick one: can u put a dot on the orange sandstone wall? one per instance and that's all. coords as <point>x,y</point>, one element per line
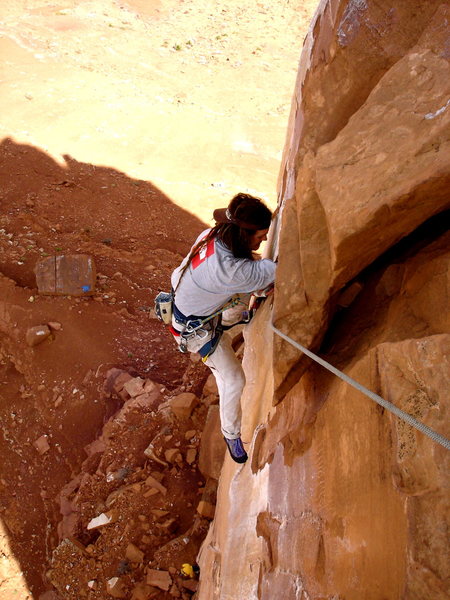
<point>340,499</point>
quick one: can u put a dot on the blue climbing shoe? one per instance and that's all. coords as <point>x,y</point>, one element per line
<point>236,449</point>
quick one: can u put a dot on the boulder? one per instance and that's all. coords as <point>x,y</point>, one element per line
<point>183,405</point>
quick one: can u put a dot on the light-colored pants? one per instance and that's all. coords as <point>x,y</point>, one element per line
<point>226,369</point>
<point>230,380</point>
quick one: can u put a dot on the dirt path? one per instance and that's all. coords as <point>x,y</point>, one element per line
<point>123,125</point>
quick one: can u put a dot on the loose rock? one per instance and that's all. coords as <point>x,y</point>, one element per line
<point>206,509</point>
<point>143,591</point>
<point>210,386</point>
<point>42,445</point>
<point>155,484</point>
<point>116,588</point>
<point>134,554</point>
<point>191,455</point>
<point>183,405</point>
<point>134,386</point>
<point>173,455</point>
<point>159,579</point>
<point>36,335</point>
<point>102,520</point>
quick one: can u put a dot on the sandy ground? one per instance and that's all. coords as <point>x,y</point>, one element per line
<point>192,96</point>
<point>123,125</point>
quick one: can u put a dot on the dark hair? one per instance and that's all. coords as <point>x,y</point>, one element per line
<point>251,210</point>
<point>245,208</point>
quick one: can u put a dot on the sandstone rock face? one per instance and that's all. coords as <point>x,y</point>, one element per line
<point>377,171</point>
<point>212,447</point>
<point>340,498</point>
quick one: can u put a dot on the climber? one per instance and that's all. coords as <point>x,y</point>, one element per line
<point>220,267</point>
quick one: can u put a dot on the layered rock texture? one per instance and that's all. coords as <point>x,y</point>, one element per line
<point>339,498</point>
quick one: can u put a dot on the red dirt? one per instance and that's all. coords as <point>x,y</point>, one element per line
<point>123,126</point>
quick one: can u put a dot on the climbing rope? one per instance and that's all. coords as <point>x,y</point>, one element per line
<point>437,437</point>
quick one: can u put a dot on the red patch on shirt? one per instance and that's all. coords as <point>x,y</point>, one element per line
<point>204,253</point>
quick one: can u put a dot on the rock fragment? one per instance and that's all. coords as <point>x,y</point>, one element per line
<point>191,455</point>
<point>169,525</point>
<point>349,294</point>
<point>155,484</point>
<point>134,386</point>
<point>191,585</point>
<point>36,335</point>
<point>41,444</point>
<point>206,509</point>
<point>102,520</point>
<point>116,588</point>
<point>143,591</point>
<point>210,386</point>
<point>173,455</point>
<point>115,380</point>
<point>159,579</point>
<point>134,554</point>
<point>183,405</point>
<point>159,513</point>
<point>174,591</point>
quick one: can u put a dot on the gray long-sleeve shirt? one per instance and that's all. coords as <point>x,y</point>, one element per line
<point>215,275</point>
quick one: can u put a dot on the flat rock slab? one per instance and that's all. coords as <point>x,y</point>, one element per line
<point>159,579</point>
<point>66,275</point>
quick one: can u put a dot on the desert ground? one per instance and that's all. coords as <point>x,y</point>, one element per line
<point>123,125</point>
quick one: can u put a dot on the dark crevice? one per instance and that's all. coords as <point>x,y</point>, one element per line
<point>409,246</point>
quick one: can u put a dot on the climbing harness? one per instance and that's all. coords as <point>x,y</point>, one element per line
<point>437,437</point>
<point>209,328</point>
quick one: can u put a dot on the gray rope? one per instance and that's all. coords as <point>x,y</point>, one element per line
<point>437,437</point>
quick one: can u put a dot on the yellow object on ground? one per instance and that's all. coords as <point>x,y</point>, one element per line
<point>187,570</point>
